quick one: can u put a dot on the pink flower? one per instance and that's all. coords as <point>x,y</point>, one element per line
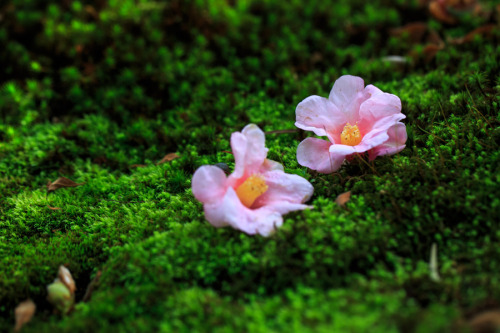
<point>256,195</point>
<point>356,119</point>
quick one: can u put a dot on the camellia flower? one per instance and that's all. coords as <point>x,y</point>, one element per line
<point>355,118</point>
<point>256,195</point>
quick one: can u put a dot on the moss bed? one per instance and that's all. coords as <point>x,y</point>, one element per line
<point>100,91</point>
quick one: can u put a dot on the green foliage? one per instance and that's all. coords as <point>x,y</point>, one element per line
<point>100,91</point>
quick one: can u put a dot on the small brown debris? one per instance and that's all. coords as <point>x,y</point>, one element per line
<point>343,198</point>
<point>415,32</point>
<point>484,31</point>
<point>168,158</point>
<point>439,11</point>
<point>430,51</point>
<point>53,208</point>
<point>24,312</point>
<point>65,276</point>
<point>485,322</point>
<point>91,10</point>
<point>60,183</point>
<point>91,287</point>
<point>138,166</point>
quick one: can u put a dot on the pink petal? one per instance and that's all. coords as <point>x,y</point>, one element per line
<point>371,90</point>
<point>395,143</point>
<point>384,124</point>
<point>377,136</point>
<point>226,211</point>
<point>363,146</point>
<point>348,94</point>
<point>262,221</point>
<point>285,188</point>
<point>319,115</point>
<point>314,154</point>
<point>270,165</point>
<point>342,150</point>
<point>249,150</point>
<point>378,106</point>
<point>230,211</point>
<point>209,183</point>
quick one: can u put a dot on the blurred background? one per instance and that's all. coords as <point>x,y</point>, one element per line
<point>99,91</point>
<point>135,70</point>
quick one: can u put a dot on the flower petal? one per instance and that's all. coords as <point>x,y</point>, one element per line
<point>383,124</point>
<point>230,211</point>
<point>249,150</point>
<point>376,137</point>
<point>395,143</point>
<point>270,165</point>
<point>371,90</point>
<point>342,150</point>
<point>209,183</point>
<point>348,94</point>
<point>262,221</point>
<point>314,154</point>
<point>319,115</point>
<point>285,188</point>
<point>376,107</point>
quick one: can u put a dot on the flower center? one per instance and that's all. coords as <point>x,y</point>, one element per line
<point>253,187</point>
<point>350,135</point>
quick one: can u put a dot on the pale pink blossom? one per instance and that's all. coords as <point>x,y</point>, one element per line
<point>355,119</point>
<point>256,195</point>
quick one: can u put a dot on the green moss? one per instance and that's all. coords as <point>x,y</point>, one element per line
<point>90,91</point>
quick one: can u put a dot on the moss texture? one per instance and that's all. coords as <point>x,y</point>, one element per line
<point>89,90</point>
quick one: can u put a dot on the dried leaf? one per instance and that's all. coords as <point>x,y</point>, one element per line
<point>24,312</point>
<point>60,183</point>
<point>138,166</point>
<point>485,322</point>
<point>91,10</point>
<point>90,288</point>
<point>53,208</point>
<point>485,30</point>
<point>440,13</point>
<point>168,158</point>
<point>430,51</point>
<point>343,198</point>
<point>434,38</point>
<point>65,276</point>
<point>415,32</point>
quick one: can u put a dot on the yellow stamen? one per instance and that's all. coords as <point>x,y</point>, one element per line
<point>253,187</point>
<point>350,136</point>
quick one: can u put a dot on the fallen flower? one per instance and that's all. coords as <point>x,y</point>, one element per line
<point>356,119</point>
<point>256,195</point>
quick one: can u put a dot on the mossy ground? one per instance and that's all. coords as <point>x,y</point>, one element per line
<point>89,89</point>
